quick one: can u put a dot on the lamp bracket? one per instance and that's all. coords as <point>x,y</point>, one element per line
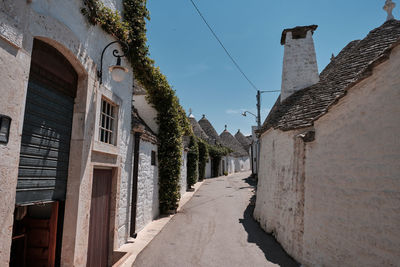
<point>116,53</point>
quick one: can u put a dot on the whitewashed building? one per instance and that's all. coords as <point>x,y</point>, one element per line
<point>144,185</point>
<point>239,159</point>
<point>65,137</point>
<point>199,133</point>
<point>214,168</point>
<point>328,186</point>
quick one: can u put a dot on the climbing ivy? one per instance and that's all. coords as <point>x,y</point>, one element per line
<point>216,152</point>
<point>203,158</point>
<point>171,118</point>
<point>192,162</point>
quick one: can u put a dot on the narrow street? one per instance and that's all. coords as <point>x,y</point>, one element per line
<point>216,228</point>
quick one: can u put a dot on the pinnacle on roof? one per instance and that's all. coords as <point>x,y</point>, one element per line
<point>197,130</point>
<point>190,113</point>
<point>388,7</point>
<point>209,130</point>
<point>351,65</point>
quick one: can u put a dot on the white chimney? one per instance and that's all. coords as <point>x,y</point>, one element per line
<point>300,68</point>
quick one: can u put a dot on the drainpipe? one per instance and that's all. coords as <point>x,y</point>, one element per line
<point>134,184</point>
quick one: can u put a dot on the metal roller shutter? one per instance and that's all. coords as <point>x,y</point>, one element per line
<point>46,135</point>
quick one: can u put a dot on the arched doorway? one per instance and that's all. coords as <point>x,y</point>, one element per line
<point>44,158</point>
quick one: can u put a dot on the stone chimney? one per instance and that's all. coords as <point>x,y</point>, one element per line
<point>300,68</point>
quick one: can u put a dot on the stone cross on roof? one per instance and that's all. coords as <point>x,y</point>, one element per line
<point>388,7</point>
<point>190,113</point>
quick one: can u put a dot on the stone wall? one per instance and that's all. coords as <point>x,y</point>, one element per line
<point>242,164</point>
<point>352,184</point>
<point>14,71</point>
<point>183,178</point>
<point>336,201</point>
<point>147,199</point>
<point>280,194</point>
<point>208,173</point>
<point>146,112</point>
<point>61,24</point>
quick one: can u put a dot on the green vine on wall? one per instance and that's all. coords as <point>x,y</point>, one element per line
<point>203,158</point>
<point>216,152</point>
<point>171,118</point>
<point>192,162</point>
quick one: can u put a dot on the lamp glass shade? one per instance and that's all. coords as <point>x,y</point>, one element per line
<point>118,73</point>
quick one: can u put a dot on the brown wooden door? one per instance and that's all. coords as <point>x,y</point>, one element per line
<point>99,219</point>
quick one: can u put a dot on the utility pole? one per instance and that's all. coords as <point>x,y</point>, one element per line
<point>258,144</point>
<point>258,109</point>
<point>258,120</point>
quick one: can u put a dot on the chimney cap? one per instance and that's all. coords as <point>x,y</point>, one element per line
<point>298,32</point>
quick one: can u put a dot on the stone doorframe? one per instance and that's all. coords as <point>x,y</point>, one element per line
<point>79,183</point>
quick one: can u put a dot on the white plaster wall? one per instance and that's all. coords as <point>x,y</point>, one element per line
<point>208,173</point>
<point>230,164</point>
<point>336,201</point>
<point>255,148</point>
<point>14,71</point>
<point>352,208</point>
<point>113,4</point>
<point>61,24</point>
<point>300,68</point>
<point>183,178</point>
<point>243,164</point>
<point>236,164</point>
<point>147,198</point>
<point>146,112</point>
<point>280,192</point>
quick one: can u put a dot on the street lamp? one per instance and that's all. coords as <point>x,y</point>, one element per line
<point>117,71</point>
<point>258,120</point>
<point>244,114</point>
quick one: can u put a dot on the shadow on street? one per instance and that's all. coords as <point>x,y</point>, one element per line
<point>273,251</point>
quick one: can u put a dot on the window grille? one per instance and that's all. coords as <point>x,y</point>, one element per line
<point>107,122</point>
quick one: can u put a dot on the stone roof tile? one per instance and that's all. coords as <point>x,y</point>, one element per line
<point>353,64</point>
<point>139,125</point>
<point>229,141</point>
<point>209,130</point>
<point>243,140</point>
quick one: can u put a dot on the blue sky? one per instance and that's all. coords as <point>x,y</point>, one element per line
<point>204,77</point>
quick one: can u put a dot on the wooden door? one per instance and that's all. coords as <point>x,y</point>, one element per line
<point>99,219</point>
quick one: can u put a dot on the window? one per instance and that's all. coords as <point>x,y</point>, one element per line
<point>107,122</point>
<point>153,158</point>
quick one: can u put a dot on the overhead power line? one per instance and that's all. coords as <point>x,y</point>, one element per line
<point>222,45</point>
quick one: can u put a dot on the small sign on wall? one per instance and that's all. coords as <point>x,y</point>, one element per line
<point>5,123</point>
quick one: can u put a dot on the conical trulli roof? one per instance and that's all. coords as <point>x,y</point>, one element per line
<point>197,130</point>
<point>230,141</point>
<point>243,140</point>
<point>209,130</point>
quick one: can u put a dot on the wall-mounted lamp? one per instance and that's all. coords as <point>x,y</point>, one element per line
<point>117,71</point>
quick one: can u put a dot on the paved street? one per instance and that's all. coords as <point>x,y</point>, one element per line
<point>215,228</point>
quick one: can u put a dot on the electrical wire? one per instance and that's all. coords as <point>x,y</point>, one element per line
<point>222,45</point>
